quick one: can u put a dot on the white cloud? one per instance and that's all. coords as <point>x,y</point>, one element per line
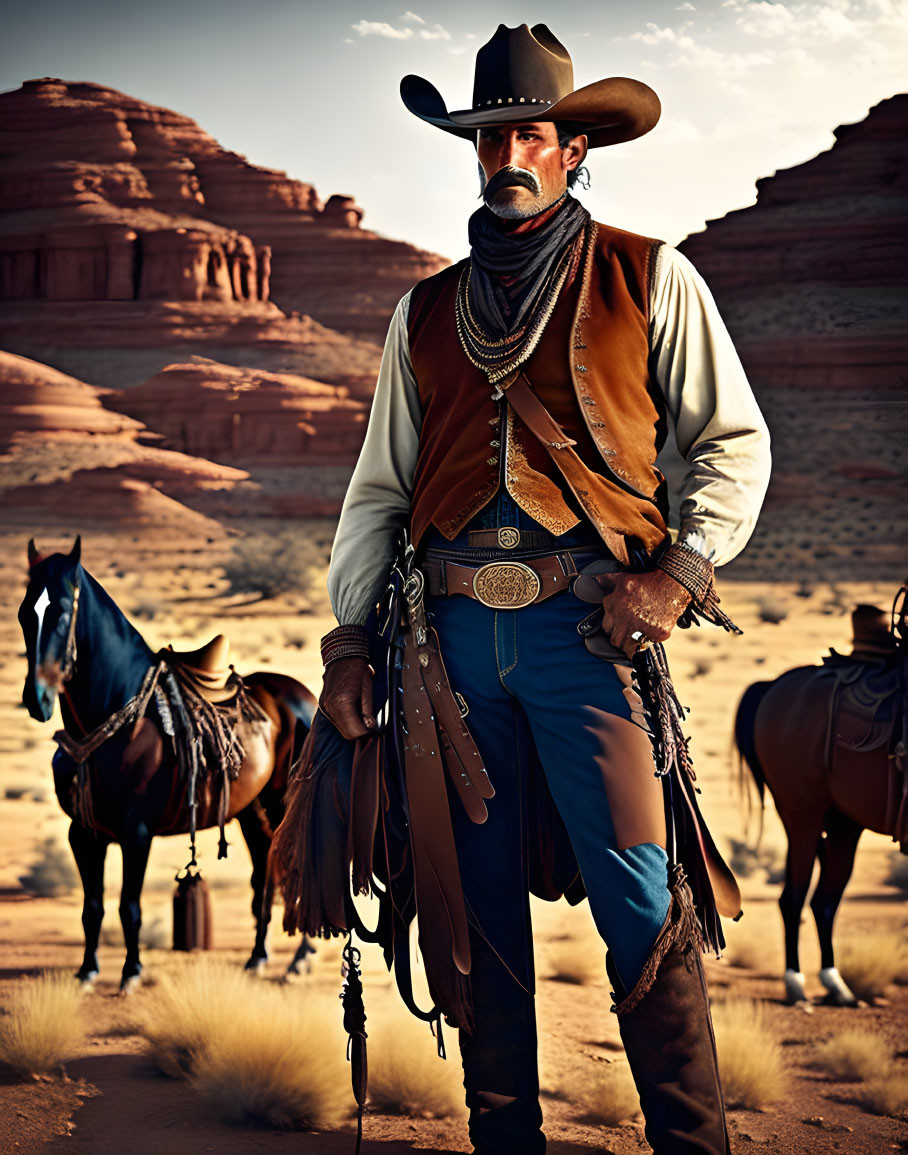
<point>390,32</point>
<point>685,7</point>
<point>654,34</point>
<point>379,28</point>
<point>436,32</point>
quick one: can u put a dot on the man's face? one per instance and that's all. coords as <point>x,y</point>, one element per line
<point>525,168</point>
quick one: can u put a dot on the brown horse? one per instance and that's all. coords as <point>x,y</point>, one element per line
<point>792,733</point>
<point>129,728</point>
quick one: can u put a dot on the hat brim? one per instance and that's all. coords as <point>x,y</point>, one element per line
<point>611,111</point>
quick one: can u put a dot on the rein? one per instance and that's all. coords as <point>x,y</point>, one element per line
<point>68,665</point>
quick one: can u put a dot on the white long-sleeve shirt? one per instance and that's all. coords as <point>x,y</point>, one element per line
<point>719,430</point>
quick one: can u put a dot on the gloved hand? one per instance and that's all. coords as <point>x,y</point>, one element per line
<point>649,602</point>
<point>347,696</point>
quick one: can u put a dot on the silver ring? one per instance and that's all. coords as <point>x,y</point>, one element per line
<point>637,636</point>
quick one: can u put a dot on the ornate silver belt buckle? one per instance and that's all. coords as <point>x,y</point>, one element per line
<point>508,537</point>
<point>506,585</point>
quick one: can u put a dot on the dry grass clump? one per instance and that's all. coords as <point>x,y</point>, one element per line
<point>278,1063</point>
<point>873,961</point>
<point>43,1025</point>
<point>185,1012</point>
<point>406,1075</point>
<point>887,1094</point>
<point>605,1092</point>
<point>854,1055</point>
<point>52,872</point>
<point>750,1060</point>
<point>267,565</point>
<point>575,962</point>
<point>754,946</point>
<point>260,1053</point>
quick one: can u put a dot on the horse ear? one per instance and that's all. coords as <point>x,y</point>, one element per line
<point>33,554</point>
<point>76,551</point>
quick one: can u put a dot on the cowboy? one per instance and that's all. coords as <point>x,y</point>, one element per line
<point>523,396</point>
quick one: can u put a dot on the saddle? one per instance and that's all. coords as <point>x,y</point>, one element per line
<point>869,709</point>
<point>207,669</point>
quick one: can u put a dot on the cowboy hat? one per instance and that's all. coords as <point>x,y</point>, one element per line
<point>526,74</point>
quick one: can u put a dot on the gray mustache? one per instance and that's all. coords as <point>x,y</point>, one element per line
<point>510,177</point>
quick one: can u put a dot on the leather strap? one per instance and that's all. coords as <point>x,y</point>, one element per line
<point>555,573</point>
<point>559,447</point>
<point>498,539</point>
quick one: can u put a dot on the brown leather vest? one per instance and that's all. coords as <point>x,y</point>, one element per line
<point>591,372</point>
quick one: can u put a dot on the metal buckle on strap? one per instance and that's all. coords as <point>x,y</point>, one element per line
<point>506,585</point>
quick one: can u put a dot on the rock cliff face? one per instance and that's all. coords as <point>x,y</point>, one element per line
<point>813,283</point>
<point>106,198</point>
<point>230,414</point>
<point>38,401</point>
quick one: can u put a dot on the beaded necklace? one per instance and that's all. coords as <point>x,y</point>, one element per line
<point>499,357</point>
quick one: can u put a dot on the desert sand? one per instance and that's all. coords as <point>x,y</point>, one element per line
<point>112,1096</point>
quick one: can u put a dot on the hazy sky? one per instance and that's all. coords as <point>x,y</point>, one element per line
<point>747,87</point>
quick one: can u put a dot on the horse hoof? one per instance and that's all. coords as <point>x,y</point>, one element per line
<point>87,979</point>
<point>256,966</point>
<point>296,972</point>
<point>839,994</point>
<point>794,987</point>
<point>129,983</point>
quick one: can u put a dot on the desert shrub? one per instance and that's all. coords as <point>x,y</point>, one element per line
<point>259,1053</point>
<point>887,1094</point>
<point>52,871</point>
<point>154,933</point>
<point>869,963</point>
<point>853,1055</point>
<point>604,1092</point>
<point>898,870</point>
<point>272,565</point>
<point>43,1025</point>
<point>578,963</point>
<point>406,1075</point>
<point>771,610</point>
<point>750,1060</point>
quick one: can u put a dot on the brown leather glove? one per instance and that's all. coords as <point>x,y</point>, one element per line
<point>347,696</point>
<point>649,602</point>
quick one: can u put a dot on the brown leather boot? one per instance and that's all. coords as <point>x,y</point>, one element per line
<point>667,1033</point>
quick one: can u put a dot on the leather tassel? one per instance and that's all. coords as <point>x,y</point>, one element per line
<point>308,856</point>
<point>712,885</point>
<point>444,933</point>
<point>364,803</point>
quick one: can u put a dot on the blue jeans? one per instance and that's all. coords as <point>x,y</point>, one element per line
<point>527,678</point>
<point>525,674</point>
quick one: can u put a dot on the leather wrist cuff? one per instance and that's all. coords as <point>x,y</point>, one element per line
<point>345,642</point>
<point>696,573</point>
<point>689,569</point>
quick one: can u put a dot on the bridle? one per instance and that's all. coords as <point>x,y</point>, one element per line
<point>69,653</point>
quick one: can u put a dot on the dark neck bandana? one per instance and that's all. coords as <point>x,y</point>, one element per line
<point>510,287</point>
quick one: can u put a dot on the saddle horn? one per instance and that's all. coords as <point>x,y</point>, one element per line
<point>33,553</point>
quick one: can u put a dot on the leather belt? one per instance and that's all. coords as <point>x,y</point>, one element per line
<point>502,585</point>
<point>509,537</point>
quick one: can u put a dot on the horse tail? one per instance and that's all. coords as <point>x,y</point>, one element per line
<point>745,720</point>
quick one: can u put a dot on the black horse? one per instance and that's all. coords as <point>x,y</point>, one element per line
<point>118,773</point>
